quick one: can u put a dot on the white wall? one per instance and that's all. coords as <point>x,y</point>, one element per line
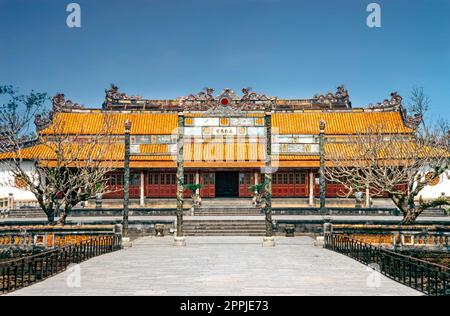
<point>6,179</point>
<point>434,191</point>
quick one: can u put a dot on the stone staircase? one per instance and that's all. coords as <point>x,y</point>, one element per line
<point>227,207</point>
<point>26,213</point>
<point>224,227</point>
<point>433,213</point>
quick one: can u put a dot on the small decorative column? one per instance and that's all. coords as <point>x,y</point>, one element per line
<point>268,240</point>
<point>126,184</point>
<point>197,180</point>
<point>10,201</point>
<point>368,194</point>
<point>311,188</point>
<point>322,165</point>
<point>179,239</point>
<point>142,197</point>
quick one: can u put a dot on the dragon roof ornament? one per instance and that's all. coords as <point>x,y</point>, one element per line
<point>60,103</point>
<point>227,102</point>
<point>329,99</point>
<point>395,101</point>
<point>112,95</point>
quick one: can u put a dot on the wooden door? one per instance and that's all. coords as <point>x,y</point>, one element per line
<point>301,184</point>
<point>208,182</point>
<point>189,178</point>
<point>135,185</point>
<point>152,187</point>
<point>246,180</point>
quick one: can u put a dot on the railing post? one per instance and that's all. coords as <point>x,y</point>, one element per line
<point>328,233</point>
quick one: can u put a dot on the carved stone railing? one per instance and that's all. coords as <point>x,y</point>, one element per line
<point>398,237</point>
<point>25,271</point>
<point>429,278</point>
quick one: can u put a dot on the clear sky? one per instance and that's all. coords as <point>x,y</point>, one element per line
<point>171,48</point>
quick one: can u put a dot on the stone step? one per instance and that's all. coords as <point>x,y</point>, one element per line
<point>224,213</point>
<point>223,234</point>
<point>224,227</point>
<point>433,212</point>
<point>224,222</point>
<point>26,213</point>
<point>218,228</point>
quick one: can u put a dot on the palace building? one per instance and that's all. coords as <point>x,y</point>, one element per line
<point>225,136</point>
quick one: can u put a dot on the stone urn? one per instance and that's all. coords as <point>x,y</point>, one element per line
<point>159,230</point>
<point>98,200</point>
<point>257,199</point>
<point>290,230</point>
<point>358,199</point>
<point>196,200</point>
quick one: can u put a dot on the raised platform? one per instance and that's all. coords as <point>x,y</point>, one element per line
<point>222,266</point>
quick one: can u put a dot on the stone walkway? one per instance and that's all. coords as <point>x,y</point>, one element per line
<point>342,218</point>
<point>219,266</point>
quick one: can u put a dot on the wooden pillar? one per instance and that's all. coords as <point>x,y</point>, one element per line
<point>311,188</point>
<point>126,179</point>
<point>142,187</point>
<point>322,164</point>
<point>179,240</point>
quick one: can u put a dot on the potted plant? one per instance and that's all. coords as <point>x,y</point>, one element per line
<point>195,189</point>
<point>257,190</point>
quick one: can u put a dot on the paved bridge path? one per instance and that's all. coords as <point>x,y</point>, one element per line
<point>219,266</point>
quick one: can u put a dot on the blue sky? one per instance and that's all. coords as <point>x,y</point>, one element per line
<point>171,48</point>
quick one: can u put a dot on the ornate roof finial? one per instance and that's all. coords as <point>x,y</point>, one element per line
<point>341,97</point>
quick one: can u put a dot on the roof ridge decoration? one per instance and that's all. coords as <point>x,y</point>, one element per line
<point>59,104</point>
<point>340,97</point>
<point>395,102</point>
<point>227,102</point>
<point>112,95</point>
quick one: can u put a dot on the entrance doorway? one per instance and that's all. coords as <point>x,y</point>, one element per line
<point>227,184</point>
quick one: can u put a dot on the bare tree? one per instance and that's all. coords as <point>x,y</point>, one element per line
<point>393,163</point>
<point>67,168</point>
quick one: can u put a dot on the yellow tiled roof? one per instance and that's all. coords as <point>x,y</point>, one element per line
<point>338,123</point>
<point>143,123</point>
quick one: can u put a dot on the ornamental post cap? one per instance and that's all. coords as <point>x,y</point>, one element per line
<point>127,125</point>
<point>322,126</point>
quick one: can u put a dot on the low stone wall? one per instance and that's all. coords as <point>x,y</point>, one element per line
<point>315,226</point>
<point>136,228</point>
<point>334,211</point>
<point>46,236</point>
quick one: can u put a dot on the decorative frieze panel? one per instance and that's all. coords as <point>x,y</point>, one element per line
<point>224,121</point>
<point>153,139</point>
<point>295,144</point>
<point>296,139</point>
<point>223,131</point>
<point>295,148</point>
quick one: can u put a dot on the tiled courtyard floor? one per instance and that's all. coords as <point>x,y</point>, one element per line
<point>220,266</point>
